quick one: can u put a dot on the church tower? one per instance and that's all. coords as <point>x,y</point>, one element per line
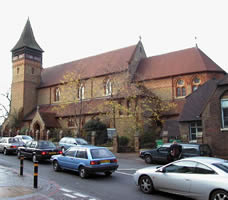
<point>27,67</point>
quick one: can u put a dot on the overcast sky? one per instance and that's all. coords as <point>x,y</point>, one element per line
<point>72,29</point>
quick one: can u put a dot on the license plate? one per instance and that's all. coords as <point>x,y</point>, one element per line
<point>52,153</point>
<point>105,161</point>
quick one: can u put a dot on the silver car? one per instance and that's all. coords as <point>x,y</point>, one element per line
<point>10,145</point>
<point>203,178</point>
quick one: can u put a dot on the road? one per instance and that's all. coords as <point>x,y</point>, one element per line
<point>119,186</point>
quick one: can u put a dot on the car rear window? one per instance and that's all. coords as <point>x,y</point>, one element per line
<point>46,144</point>
<point>81,141</point>
<point>100,153</point>
<point>222,165</point>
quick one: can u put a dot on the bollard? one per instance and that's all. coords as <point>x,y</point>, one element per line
<point>21,165</point>
<point>35,174</point>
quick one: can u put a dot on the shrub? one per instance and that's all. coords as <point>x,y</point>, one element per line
<point>99,127</point>
<point>123,141</point>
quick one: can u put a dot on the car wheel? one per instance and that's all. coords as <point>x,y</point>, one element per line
<point>82,172</point>
<point>148,159</point>
<point>56,166</point>
<point>5,151</point>
<point>108,173</point>
<point>146,185</point>
<point>34,159</point>
<point>219,195</point>
<point>18,154</point>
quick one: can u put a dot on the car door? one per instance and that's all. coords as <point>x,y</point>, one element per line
<point>201,180</point>
<point>2,144</point>
<point>67,160</point>
<point>175,177</point>
<point>81,158</point>
<point>161,154</point>
<point>23,149</point>
<point>31,148</point>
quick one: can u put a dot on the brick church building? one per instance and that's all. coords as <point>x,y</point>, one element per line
<point>173,76</point>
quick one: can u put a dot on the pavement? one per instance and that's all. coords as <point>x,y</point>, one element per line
<point>16,187</point>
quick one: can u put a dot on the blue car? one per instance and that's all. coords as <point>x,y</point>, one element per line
<point>86,160</point>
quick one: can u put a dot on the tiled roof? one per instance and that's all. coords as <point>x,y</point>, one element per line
<point>88,107</point>
<point>185,61</point>
<point>27,39</point>
<point>196,102</point>
<point>106,63</point>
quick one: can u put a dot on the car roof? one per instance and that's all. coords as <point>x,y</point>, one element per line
<point>205,159</point>
<point>87,147</point>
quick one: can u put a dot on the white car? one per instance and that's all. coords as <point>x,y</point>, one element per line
<point>24,138</point>
<point>202,178</point>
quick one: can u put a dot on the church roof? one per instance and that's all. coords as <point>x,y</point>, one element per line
<point>181,62</point>
<point>27,39</point>
<point>196,101</point>
<point>106,63</point>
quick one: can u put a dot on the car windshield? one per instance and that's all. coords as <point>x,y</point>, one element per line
<point>81,141</point>
<point>26,137</point>
<point>222,165</point>
<point>46,144</point>
<point>100,153</point>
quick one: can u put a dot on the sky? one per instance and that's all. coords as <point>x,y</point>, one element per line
<point>68,30</point>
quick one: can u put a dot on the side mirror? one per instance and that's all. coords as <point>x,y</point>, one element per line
<point>162,170</point>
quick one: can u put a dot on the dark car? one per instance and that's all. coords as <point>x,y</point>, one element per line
<point>67,142</point>
<point>86,160</point>
<point>161,154</point>
<point>10,145</point>
<point>38,150</point>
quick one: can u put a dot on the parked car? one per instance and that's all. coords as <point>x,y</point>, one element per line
<point>160,154</point>
<point>201,178</point>
<point>24,138</point>
<point>38,150</point>
<point>67,142</point>
<point>10,145</point>
<point>86,160</point>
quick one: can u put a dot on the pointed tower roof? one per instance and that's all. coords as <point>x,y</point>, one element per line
<point>27,39</point>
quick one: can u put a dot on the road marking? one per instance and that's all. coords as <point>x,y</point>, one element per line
<point>71,196</point>
<point>124,173</point>
<point>79,194</point>
<point>65,190</point>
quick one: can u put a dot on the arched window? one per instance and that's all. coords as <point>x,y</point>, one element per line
<point>195,84</point>
<point>180,88</point>
<point>108,87</point>
<point>57,94</point>
<point>18,70</point>
<point>81,92</point>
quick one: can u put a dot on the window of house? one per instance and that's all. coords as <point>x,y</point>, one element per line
<point>18,70</point>
<point>70,123</point>
<point>195,130</point>
<point>195,83</point>
<point>128,106</point>
<point>180,88</point>
<point>108,87</point>
<point>224,109</point>
<point>57,94</point>
<point>81,92</point>
<point>33,70</point>
<point>120,107</point>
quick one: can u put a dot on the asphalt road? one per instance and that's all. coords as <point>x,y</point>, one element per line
<point>119,186</point>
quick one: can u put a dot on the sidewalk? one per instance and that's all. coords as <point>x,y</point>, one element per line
<point>16,187</point>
